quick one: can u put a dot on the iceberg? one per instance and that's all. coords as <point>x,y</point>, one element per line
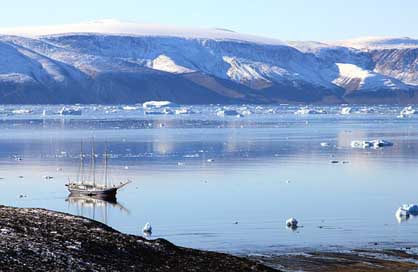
<point>184,111</point>
<point>147,228</point>
<point>292,223</point>
<point>303,111</point>
<point>70,111</point>
<point>129,108</point>
<point>402,214</point>
<point>223,113</point>
<point>158,104</point>
<point>346,110</point>
<point>370,144</point>
<point>22,111</point>
<point>407,112</point>
<point>410,208</point>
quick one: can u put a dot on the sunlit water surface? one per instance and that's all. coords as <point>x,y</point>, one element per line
<point>223,183</point>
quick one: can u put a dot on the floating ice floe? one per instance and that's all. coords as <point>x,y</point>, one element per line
<point>303,111</point>
<point>223,113</point>
<point>324,144</point>
<point>21,111</point>
<point>370,144</point>
<point>402,214</point>
<point>412,209</point>
<point>164,111</point>
<point>366,110</point>
<point>346,110</point>
<point>292,223</point>
<point>147,228</point>
<point>184,111</point>
<point>70,111</point>
<point>158,104</point>
<point>407,112</point>
<point>129,108</point>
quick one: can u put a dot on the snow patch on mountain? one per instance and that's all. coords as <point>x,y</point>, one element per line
<point>166,64</point>
<point>365,43</point>
<point>353,78</point>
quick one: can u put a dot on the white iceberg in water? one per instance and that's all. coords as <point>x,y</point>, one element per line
<point>21,111</point>
<point>410,208</point>
<point>346,110</point>
<point>184,111</point>
<point>223,113</point>
<point>158,104</point>
<point>380,143</point>
<point>407,112</point>
<point>366,110</point>
<point>147,228</point>
<point>370,144</point>
<point>129,108</point>
<point>70,111</point>
<point>303,111</point>
<point>292,223</point>
<point>402,214</point>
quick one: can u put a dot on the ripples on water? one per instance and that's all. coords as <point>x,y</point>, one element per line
<point>223,183</point>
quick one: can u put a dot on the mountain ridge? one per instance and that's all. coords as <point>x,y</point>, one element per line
<point>198,67</point>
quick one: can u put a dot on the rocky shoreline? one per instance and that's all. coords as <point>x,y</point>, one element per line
<point>43,240</point>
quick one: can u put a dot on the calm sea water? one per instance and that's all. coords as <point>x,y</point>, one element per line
<point>223,183</point>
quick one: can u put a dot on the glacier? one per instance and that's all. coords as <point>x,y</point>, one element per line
<point>111,62</point>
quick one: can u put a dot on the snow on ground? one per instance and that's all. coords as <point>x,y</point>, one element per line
<point>116,27</point>
<point>378,43</point>
<point>358,78</point>
<point>166,64</point>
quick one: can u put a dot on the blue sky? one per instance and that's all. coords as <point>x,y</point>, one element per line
<point>282,19</point>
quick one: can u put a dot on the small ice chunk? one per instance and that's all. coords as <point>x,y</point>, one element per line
<point>21,111</point>
<point>402,214</point>
<point>324,144</point>
<point>147,228</point>
<point>292,223</point>
<point>223,113</point>
<point>246,112</point>
<point>407,112</point>
<point>410,208</point>
<point>360,144</point>
<point>70,111</point>
<point>129,108</point>
<point>346,110</point>
<point>305,110</point>
<point>380,143</point>
<point>366,110</point>
<point>184,111</point>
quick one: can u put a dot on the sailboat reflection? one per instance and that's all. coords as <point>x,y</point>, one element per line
<point>95,208</point>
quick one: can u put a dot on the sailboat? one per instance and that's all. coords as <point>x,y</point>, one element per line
<point>90,187</point>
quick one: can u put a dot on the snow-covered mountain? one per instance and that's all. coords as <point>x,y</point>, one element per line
<point>116,62</point>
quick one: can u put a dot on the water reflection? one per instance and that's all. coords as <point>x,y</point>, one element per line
<point>96,208</point>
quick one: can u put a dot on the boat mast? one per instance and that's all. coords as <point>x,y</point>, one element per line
<point>80,176</point>
<point>105,168</point>
<point>93,164</point>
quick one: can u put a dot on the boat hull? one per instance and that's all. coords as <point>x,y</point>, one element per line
<point>106,193</point>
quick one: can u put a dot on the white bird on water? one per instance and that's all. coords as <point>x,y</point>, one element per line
<point>147,228</point>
